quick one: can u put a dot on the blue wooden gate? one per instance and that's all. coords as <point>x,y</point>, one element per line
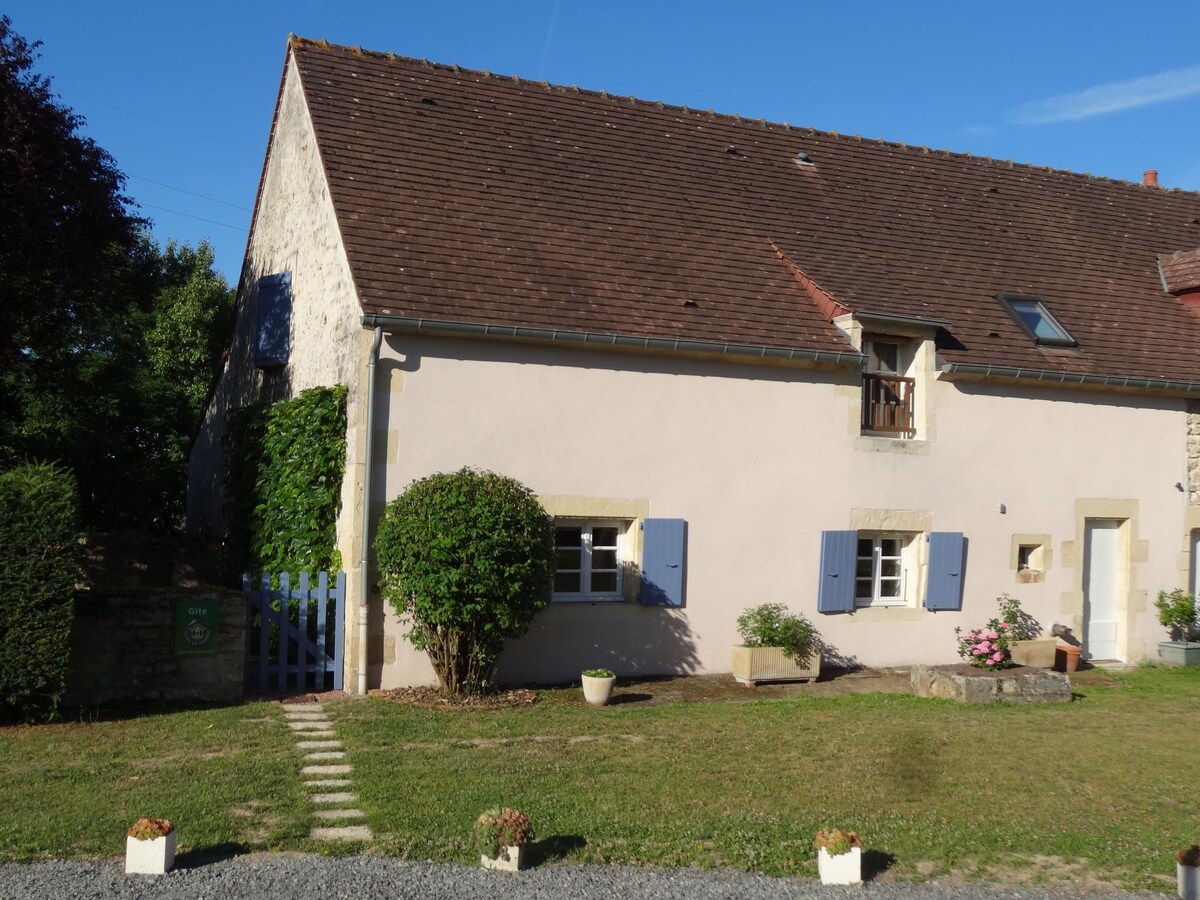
<point>295,635</point>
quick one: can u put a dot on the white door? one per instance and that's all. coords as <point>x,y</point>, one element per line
<point>1101,581</point>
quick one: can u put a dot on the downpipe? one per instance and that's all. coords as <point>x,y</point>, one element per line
<point>364,577</point>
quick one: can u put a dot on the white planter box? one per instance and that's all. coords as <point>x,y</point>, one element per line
<point>754,664</point>
<point>1187,878</point>
<point>596,691</point>
<point>511,859</point>
<point>845,868</point>
<point>153,857</point>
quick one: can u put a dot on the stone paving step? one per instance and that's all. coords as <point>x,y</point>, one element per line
<point>318,745</point>
<point>331,815</point>
<point>315,734</point>
<point>305,716</point>
<point>342,833</point>
<point>309,726</point>
<point>326,754</point>
<point>335,797</point>
<point>344,769</point>
<point>327,783</point>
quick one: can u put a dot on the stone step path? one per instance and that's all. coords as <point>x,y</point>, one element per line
<point>327,775</point>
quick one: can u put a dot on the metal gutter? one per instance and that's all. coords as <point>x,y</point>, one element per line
<point>597,339</point>
<point>364,579</point>
<point>1048,377</point>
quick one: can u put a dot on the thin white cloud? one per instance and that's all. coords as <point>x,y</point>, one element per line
<point>1110,98</point>
<point>549,37</point>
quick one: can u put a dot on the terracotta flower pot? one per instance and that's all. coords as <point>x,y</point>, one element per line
<point>1066,659</point>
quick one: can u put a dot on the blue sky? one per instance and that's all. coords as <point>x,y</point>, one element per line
<point>182,94</point>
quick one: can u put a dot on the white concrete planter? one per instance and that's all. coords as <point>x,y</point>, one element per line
<point>1037,653</point>
<point>596,691</point>
<point>511,859</point>
<point>845,868</point>
<point>1179,653</point>
<point>754,664</point>
<point>1187,880</point>
<point>150,857</point>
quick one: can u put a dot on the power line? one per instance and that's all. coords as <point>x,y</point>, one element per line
<point>198,218</point>
<point>192,193</point>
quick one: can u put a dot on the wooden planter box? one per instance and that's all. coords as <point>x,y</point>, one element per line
<point>754,664</point>
<point>1038,653</point>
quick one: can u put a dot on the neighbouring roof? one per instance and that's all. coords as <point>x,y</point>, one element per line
<point>1181,271</point>
<point>471,197</point>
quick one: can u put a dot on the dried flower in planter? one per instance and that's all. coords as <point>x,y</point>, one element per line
<point>500,828</point>
<point>148,829</point>
<point>835,842</point>
<point>1189,856</point>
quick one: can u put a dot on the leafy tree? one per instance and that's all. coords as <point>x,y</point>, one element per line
<point>105,348</point>
<point>468,558</point>
<point>193,316</point>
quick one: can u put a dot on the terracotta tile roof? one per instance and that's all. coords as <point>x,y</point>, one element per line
<point>480,198</point>
<point>1181,270</point>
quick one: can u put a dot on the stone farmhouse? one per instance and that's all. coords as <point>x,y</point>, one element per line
<point>738,361</point>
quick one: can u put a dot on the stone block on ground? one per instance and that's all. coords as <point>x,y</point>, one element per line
<point>969,685</point>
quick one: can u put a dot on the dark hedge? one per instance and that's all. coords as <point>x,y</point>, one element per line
<point>38,571</point>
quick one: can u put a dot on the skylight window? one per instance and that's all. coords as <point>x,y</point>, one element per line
<point>1033,316</point>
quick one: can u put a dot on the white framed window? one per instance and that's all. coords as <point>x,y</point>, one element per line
<point>588,560</point>
<point>880,570</point>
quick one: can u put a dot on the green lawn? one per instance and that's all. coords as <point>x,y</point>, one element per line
<point>224,776</point>
<point>1104,784</point>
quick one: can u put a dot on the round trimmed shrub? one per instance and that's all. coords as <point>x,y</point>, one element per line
<point>468,558</point>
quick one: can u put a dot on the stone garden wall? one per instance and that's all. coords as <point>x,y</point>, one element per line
<point>128,638</point>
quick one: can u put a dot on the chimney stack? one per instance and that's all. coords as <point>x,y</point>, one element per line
<point>1150,178</point>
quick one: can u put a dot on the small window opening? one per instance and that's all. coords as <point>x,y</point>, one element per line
<point>1031,563</point>
<point>1037,321</point>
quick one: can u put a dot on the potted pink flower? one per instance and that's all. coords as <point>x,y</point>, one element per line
<point>989,647</point>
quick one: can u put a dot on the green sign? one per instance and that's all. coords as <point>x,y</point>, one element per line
<point>197,625</point>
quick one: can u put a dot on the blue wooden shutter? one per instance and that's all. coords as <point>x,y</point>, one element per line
<point>273,336</point>
<point>835,592</point>
<point>664,550</point>
<point>945,583</point>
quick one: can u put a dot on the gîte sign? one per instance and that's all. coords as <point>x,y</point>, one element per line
<point>197,625</point>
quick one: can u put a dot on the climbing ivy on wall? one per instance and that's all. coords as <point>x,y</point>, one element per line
<point>283,482</point>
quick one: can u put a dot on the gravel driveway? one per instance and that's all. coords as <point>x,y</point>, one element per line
<point>282,876</point>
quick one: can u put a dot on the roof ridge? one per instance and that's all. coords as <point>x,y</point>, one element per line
<point>295,40</point>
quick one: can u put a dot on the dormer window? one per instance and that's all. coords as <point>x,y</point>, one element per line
<point>887,400</point>
<point>1036,320</point>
